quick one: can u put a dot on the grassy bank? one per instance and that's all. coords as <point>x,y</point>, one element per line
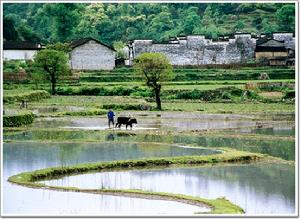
<point>21,119</point>
<point>229,156</point>
<point>19,95</point>
<point>219,206</point>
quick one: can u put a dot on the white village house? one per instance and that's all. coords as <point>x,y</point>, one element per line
<point>20,50</point>
<point>86,54</point>
<point>91,54</point>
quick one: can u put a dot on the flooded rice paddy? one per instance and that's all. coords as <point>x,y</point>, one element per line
<point>65,141</point>
<point>246,185</point>
<point>159,122</point>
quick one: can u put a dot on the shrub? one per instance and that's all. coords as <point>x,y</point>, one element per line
<point>101,91</point>
<point>90,112</point>
<point>18,120</point>
<point>127,106</point>
<point>226,93</point>
<point>290,94</point>
<point>27,96</point>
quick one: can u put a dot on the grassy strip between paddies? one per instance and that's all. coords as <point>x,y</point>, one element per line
<point>88,112</point>
<point>67,135</point>
<point>218,206</point>
<point>36,95</point>
<point>18,120</point>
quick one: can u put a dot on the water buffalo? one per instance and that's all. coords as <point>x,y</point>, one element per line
<point>128,121</point>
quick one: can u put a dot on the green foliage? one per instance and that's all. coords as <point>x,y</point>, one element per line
<point>110,22</point>
<point>102,91</point>
<point>64,18</point>
<point>226,72</point>
<point>18,120</point>
<point>155,68</point>
<point>246,8</point>
<point>64,47</point>
<point>16,29</point>
<point>9,28</point>
<point>13,65</point>
<point>27,96</point>
<point>286,18</point>
<point>54,64</point>
<point>240,25</point>
<point>119,47</point>
<point>127,106</point>
<point>267,26</point>
<point>226,93</point>
<point>90,112</point>
<point>290,94</point>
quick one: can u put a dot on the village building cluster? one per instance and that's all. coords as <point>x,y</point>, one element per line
<point>193,50</point>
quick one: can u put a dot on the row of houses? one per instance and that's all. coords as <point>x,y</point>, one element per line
<point>86,53</point>
<point>92,54</point>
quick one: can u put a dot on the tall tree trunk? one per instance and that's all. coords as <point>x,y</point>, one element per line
<point>53,85</point>
<point>157,97</point>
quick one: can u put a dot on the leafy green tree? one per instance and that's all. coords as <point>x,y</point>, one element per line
<point>155,68</point>
<point>239,25</point>
<point>190,20</point>
<point>119,47</point>
<point>27,34</point>
<point>93,16</point>
<point>267,27</point>
<point>65,17</point>
<point>257,22</point>
<point>246,8</point>
<point>64,47</point>
<point>160,24</point>
<point>286,18</point>
<point>9,28</point>
<point>54,64</point>
<point>109,22</point>
<point>207,16</point>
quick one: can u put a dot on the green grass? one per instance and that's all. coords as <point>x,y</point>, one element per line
<point>97,102</point>
<point>218,206</point>
<point>28,95</point>
<point>206,107</point>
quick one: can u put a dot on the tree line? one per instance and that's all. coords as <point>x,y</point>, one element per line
<point>111,23</point>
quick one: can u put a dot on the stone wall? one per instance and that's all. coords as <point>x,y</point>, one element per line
<point>92,56</point>
<point>289,40</point>
<point>196,50</point>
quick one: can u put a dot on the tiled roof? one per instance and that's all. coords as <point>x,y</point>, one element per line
<point>21,45</point>
<point>270,41</point>
<point>79,42</point>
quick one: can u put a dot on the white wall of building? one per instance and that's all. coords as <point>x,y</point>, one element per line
<point>19,54</point>
<point>92,56</point>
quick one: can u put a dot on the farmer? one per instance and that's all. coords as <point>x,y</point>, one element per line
<point>110,116</point>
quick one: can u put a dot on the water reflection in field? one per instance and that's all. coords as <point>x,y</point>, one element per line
<point>246,185</point>
<point>28,156</point>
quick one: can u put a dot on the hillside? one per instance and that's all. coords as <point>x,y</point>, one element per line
<point>122,22</point>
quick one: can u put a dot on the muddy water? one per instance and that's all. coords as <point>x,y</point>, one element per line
<point>174,122</point>
<point>246,185</point>
<point>20,157</point>
<point>45,110</point>
<point>159,123</point>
